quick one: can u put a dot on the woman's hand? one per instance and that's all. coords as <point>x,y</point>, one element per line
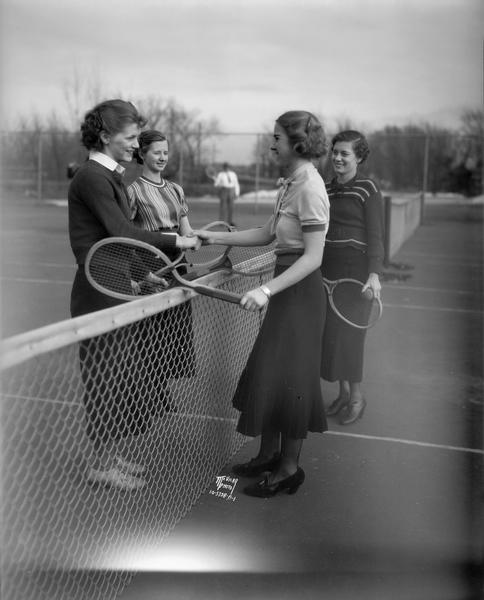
<point>185,242</point>
<point>373,284</point>
<point>157,281</point>
<point>135,287</point>
<point>206,237</point>
<point>254,300</point>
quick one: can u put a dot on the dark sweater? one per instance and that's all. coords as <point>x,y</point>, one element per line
<point>98,208</point>
<point>356,218</point>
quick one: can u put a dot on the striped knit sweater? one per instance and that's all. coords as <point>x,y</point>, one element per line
<point>356,218</point>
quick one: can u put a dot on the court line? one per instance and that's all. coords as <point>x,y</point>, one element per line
<point>27,280</point>
<point>385,304</point>
<point>406,442</point>
<point>41,264</point>
<point>461,258</point>
<point>435,308</point>
<point>329,432</point>
<point>439,260</point>
<point>80,405</point>
<point>414,288</point>
<point>6,396</point>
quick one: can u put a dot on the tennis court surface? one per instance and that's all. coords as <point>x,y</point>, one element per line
<point>391,506</point>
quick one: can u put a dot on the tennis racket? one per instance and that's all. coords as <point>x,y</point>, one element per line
<point>360,310</point>
<point>126,269</point>
<point>210,257</point>
<point>248,261</point>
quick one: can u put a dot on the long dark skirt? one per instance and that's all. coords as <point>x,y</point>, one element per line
<point>343,345</point>
<point>279,389</point>
<point>126,372</point>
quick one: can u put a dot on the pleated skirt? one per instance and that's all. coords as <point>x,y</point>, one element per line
<point>279,389</point>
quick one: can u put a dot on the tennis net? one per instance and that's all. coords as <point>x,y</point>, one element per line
<point>177,356</point>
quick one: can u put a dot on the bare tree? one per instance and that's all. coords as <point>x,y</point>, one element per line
<point>189,134</point>
<point>81,90</point>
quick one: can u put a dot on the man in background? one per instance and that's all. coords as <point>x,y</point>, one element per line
<point>227,185</point>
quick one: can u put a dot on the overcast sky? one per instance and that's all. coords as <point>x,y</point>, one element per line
<point>373,61</point>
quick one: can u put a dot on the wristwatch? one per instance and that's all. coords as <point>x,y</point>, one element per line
<point>266,290</point>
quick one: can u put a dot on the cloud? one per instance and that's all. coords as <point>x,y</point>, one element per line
<point>246,62</point>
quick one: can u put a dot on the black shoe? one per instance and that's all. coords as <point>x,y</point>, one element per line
<point>263,489</point>
<point>355,412</point>
<point>334,408</point>
<point>254,469</point>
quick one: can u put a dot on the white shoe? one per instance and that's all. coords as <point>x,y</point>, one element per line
<point>129,466</point>
<point>116,478</point>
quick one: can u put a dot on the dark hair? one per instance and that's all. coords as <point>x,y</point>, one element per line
<point>110,116</point>
<point>305,133</point>
<point>145,139</point>
<point>358,142</point>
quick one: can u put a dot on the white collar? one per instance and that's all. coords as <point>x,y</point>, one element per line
<point>106,161</point>
<point>294,175</point>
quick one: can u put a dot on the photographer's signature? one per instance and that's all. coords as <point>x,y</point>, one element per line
<point>225,487</point>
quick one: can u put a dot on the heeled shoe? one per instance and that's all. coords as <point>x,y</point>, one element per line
<point>355,412</point>
<point>252,469</point>
<point>264,489</point>
<point>335,407</point>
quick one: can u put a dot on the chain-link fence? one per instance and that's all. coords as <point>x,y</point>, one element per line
<point>38,164</point>
<point>156,375</point>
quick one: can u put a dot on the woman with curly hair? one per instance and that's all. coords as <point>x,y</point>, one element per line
<point>354,249</point>
<point>278,394</point>
<point>99,208</point>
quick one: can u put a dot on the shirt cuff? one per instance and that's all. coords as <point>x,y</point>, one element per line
<point>314,227</point>
<point>168,240</point>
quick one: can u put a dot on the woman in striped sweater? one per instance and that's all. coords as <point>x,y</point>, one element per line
<point>158,205</point>
<point>354,249</point>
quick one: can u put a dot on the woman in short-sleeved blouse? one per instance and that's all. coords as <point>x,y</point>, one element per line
<point>278,394</point>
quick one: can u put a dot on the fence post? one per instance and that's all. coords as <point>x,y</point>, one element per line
<point>39,167</point>
<point>181,167</point>
<point>257,173</point>
<point>388,225</point>
<point>424,177</point>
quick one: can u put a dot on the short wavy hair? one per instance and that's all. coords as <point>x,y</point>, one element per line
<point>305,133</point>
<point>145,139</point>
<point>110,116</point>
<point>358,142</point>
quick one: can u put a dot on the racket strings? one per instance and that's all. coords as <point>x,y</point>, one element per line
<point>352,307</point>
<point>251,261</point>
<point>129,270</point>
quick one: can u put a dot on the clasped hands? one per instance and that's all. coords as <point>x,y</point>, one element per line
<point>191,241</point>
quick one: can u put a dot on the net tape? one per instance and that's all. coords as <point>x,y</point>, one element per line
<point>63,538</point>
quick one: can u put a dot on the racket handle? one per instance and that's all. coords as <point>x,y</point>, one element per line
<point>217,293</point>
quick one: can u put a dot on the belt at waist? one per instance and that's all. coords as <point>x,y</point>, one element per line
<point>288,257</point>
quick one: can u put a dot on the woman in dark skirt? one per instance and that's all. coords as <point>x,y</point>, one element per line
<point>278,394</point>
<point>99,208</point>
<point>354,249</point>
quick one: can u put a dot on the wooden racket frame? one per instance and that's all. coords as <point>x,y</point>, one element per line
<point>330,285</point>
